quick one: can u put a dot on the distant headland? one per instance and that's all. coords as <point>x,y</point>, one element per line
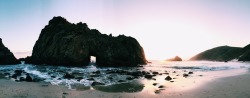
<point>224,53</point>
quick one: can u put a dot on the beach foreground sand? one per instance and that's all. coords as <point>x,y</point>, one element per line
<point>226,87</point>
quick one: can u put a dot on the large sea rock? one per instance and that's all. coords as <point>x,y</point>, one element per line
<point>64,43</point>
<point>176,58</point>
<point>224,53</point>
<point>6,57</point>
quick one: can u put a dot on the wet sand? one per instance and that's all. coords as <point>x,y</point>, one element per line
<point>229,86</point>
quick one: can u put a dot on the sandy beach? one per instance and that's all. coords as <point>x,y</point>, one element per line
<point>220,86</point>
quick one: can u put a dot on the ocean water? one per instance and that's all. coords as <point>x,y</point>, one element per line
<point>112,79</point>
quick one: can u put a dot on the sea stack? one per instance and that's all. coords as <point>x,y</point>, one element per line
<point>176,58</point>
<point>6,57</point>
<point>64,43</point>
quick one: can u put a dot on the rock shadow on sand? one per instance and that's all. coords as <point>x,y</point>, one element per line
<point>130,87</point>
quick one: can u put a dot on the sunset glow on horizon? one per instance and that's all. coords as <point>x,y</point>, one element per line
<point>164,28</point>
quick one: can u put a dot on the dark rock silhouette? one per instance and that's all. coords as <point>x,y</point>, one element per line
<point>245,56</point>
<point>6,57</point>
<point>27,60</point>
<point>68,76</point>
<point>224,53</point>
<point>64,43</point>
<point>176,58</point>
<point>28,78</point>
<point>168,78</point>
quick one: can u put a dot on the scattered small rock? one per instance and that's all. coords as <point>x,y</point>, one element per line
<point>155,84</point>
<point>68,76</point>
<point>155,73</point>
<point>64,93</point>
<point>161,86</point>
<point>148,76</point>
<point>157,91</point>
<point>190,72</point>
<point>168,78</point>
<point>185,75</point>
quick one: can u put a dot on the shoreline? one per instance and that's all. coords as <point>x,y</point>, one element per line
<point>222,86</point>
<point>226,87</point>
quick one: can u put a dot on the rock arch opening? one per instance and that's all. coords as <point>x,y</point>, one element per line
<point>92,59</point>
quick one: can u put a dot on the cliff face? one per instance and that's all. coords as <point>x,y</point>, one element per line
<point>224,53</point>
<point>6,57</point>
<point>63,43</point>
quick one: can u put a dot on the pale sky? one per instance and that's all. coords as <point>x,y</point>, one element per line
<point>164,28</point>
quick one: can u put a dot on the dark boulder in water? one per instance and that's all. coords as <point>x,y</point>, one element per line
<point>18,72</point>
<point>130,78</point>
<point>14,76</point>
<point>148,76</point>
<point>97,83</point>
<point>64,43</point>
<point>6,57</point>
<point>28,78</point>
<point>68,76</point>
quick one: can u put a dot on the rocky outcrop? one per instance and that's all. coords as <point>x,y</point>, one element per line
<point>64,43</point>
<point>245,56</point>
<point>6,57</point>
<point>176,58</point>
<point>224,53</point>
